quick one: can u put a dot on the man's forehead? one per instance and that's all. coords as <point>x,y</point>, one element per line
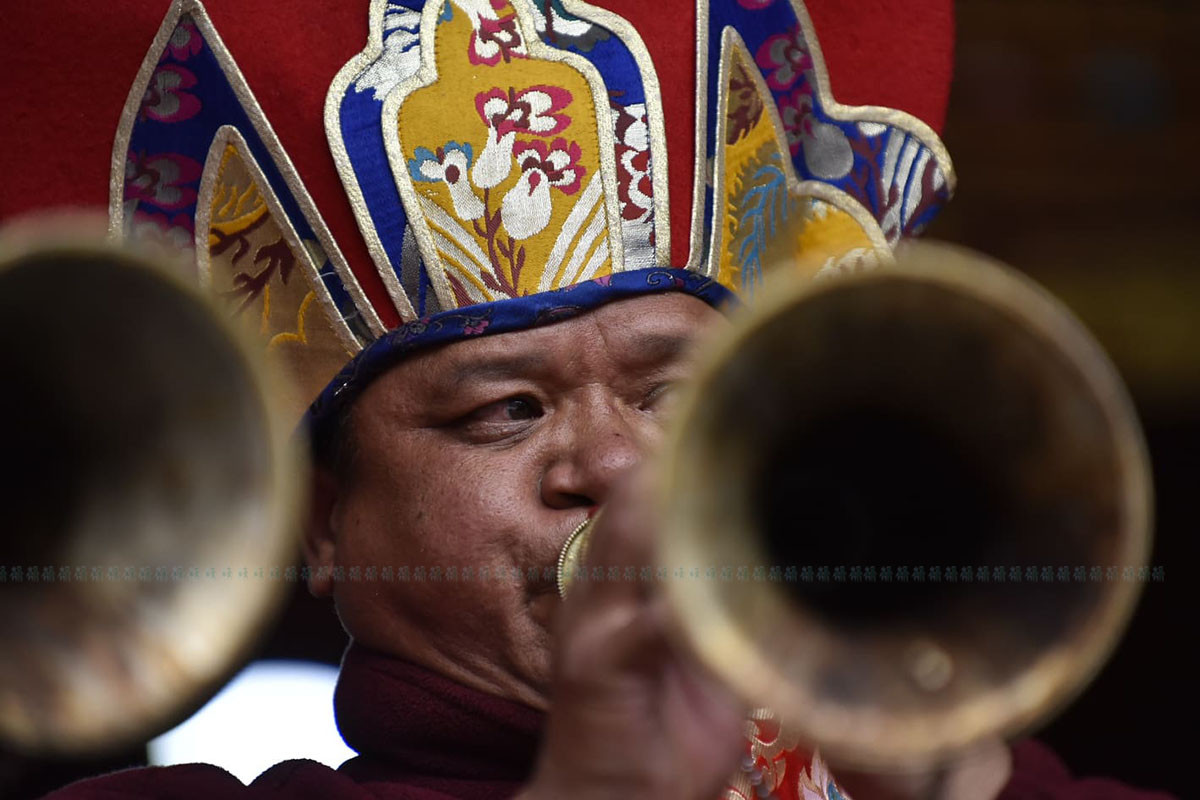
<point>631,332</point>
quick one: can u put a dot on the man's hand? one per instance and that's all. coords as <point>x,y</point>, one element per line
<point>633,716</point>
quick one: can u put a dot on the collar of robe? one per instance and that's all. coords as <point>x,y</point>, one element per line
<point>409,724</point>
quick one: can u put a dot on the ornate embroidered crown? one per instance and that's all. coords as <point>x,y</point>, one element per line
<point>509,162</point>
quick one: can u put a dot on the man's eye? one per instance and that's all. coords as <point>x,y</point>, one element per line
<point>510,409</point>
<point>499,421</point>
<point>519,408</point>
<point>660,396</point>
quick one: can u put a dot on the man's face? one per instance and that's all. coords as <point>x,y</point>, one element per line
<point>484,455</point>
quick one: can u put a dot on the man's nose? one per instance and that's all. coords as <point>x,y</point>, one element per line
<point>601,442</point>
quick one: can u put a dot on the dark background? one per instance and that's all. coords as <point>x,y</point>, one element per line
<point>1075,130</point>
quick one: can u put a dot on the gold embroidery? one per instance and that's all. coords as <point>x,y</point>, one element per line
<point>250,257</point>
<point>764,215</point>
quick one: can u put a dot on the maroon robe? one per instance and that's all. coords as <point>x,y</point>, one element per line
<point>1038,774</point>
<point>423,737</point>
<point>419,737</point>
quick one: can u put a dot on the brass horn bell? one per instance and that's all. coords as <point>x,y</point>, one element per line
<point>150,478</point>
<point>886,502</point>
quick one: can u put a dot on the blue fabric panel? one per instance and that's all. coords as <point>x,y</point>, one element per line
<point>361,120</point>
<point>609,55</point>
<point>191,137</point>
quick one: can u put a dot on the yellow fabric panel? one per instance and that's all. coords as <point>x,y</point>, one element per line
<point>253,269</point>
<point>490,238</point>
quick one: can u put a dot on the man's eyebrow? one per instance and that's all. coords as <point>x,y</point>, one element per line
<point>443,388</point>
<point>654,348</point>
<point>494,368</point>
<point>642,350</point>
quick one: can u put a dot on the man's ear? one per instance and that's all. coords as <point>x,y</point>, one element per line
<point>320,540</point>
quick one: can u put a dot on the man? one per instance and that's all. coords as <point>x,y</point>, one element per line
<point>552,199</point>
<point>538,428</point>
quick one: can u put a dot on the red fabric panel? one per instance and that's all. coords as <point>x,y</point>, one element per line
<point>894,53</point>
<point>68,67</point>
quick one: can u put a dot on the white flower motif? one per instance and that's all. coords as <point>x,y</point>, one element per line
<point>449,164</point>
<point>401,56</point>
<point>525,209</point>
<point>495,162</point>
<point>632,129</point>
<point>535,110</point>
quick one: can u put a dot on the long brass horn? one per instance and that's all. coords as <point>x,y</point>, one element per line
<point>892,505</point>
<point>151,488</point>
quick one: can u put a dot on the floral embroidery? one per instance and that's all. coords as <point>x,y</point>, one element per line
<point>535,110</point>
<point>279,261</point>
<point>496,40</point>
<point>476,327</point>
<point>823,145</point>
<point>166,99</point>
<point>617,57</point>
<point>826,150</point>
<point>185,41</point>
<point>449,164</point>
<point>495,37</point>
<point>558,163</point>
<point>760,206</point>
<point>525,209</point>
<point>173,234</point>
<point>795,111</point>
<point>775,765</point>
<point>634,187</point>
<point>187,94</point>
<point>745,104</point>
<point>558,27</point>
<point>786,57</point>
<point>816,782</point>
<point>530,208</point>
<point>161,179</point>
